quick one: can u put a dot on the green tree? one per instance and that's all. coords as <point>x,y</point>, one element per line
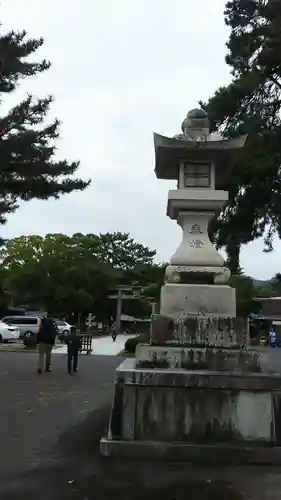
<point>245,292</point>
<point>5,298</point>
<point>251,104</point>
<point>275,283</point>
<point>74,274</point>
<point>52,273</point>
<point>121,251</point>
<point>28,167</point>
<point>154,282</point>
<point>132,262</point>
<point>134,265</point>
<point>149,278</point>
<point>266,291</point>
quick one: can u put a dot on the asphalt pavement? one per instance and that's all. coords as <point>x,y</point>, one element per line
<point>35,409</point>
<point>50,428</point>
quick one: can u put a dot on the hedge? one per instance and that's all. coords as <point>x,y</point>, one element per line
<point>131,344</point>
<point>30,341</point>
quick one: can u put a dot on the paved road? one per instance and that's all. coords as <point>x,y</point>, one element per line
<point>103,345</point>
<point>50,427</point>
<point>35,409</point>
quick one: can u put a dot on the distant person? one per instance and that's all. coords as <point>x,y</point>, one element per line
<point>74,344</point>
<point>272,338</point>
<point>46,338</point>
<point>114,331</point>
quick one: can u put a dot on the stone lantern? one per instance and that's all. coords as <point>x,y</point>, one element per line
<point>196,280</point>
<point>197,390</point>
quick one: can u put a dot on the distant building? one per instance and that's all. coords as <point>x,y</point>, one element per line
<point>269,317</point>
<point>270,308</point>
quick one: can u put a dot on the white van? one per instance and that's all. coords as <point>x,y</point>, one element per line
<point>27,325</point>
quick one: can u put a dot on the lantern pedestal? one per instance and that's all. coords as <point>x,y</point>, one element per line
<point>181,300</point>
<point>198,415</point>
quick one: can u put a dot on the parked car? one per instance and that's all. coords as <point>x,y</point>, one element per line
<point>8,333</point>
<point>27,325</point>
<point>64,328</point>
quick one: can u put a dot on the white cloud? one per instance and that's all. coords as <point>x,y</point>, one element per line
<point>120,71</point>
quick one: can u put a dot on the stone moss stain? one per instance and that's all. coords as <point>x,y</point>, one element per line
<point>277,417</point>
<point>195,416</point>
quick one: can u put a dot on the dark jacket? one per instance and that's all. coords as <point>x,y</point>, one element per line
<point>47,332</point>
<point>74,342</point>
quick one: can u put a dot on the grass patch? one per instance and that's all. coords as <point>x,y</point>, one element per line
<point>16,348</point>
<point>20,348</point>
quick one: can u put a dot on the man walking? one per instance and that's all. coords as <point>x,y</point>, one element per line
<point>74,344</point>
<point>46,338</point>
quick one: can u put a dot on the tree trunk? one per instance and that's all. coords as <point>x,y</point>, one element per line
<point>233,257</point>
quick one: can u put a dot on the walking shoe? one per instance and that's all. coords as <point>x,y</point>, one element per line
<point>39,371</point>
<point>48,370</point>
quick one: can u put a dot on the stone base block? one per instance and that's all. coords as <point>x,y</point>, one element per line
<point>214,359</point>
<point>179,300</point>
<point>222,454</point>
<point>200,331</point>
<point>194,410</point>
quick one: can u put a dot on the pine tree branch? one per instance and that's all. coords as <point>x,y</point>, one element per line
<point>28,168</point>
<point>14,49</point>
<point>24,114</point>
<point>275,81</point>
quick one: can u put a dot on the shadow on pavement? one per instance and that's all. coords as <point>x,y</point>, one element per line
<point>76,470</point>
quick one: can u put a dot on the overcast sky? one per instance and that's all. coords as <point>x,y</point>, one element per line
<point>121,70</point>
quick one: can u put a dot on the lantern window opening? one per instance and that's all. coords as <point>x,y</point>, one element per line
<point>197,175</point>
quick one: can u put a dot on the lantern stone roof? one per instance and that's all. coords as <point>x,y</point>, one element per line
<point>171,152</point>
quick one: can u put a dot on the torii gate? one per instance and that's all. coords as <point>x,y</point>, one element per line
<point>123,293</point>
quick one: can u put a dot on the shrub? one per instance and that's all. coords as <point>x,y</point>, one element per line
<point>30,341</point>
<point>61,337</point>
<point>131,344</point>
